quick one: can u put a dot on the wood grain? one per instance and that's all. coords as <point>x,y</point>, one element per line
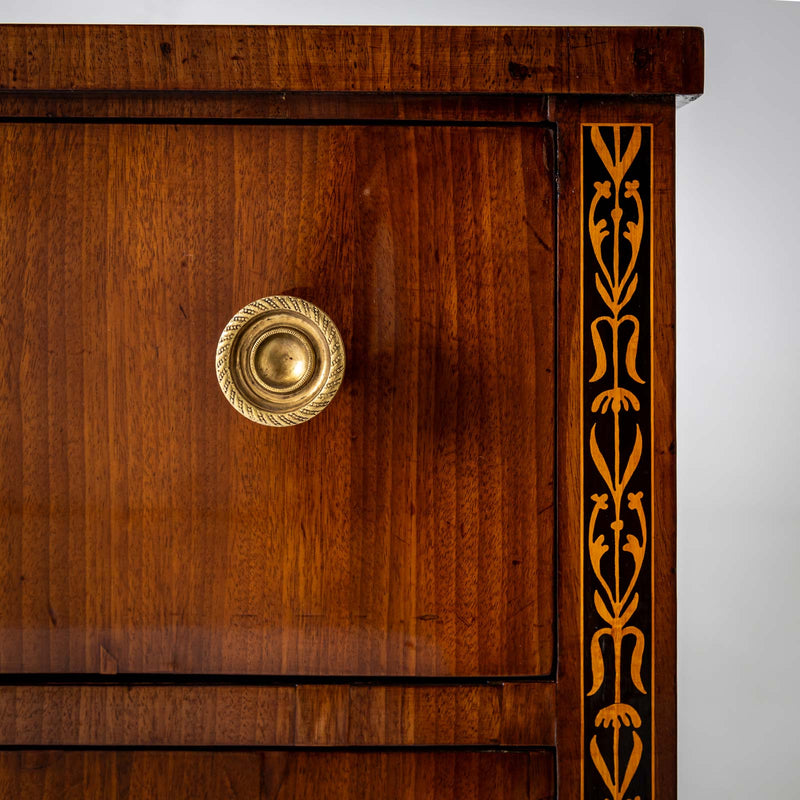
<point>147,527</point>
<point>250,106</point>
<point>408,530</point>
<point>143,775</point>
<point>352,59</point>
<point>511,714</point>
<point>661,114</point>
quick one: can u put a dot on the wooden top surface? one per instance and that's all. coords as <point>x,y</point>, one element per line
<point>511,60</point>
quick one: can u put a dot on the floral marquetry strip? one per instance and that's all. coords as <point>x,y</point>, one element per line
<point>616,436</point>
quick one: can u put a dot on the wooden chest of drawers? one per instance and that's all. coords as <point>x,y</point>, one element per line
<point>337,442</point>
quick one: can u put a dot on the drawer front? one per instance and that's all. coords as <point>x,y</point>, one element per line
<point>407,530</point>
<point>194,775</point>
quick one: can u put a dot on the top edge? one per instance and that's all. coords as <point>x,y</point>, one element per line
<point>403,59</point>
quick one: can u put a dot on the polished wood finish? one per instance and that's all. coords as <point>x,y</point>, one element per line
<point>420,185</point>
<point>661,114</point>
<point>321,715</point>
<point>143,775</point>
<point>407,530</point>
<point>612,61</point>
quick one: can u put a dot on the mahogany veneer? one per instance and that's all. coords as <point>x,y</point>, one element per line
<point>472,547</point>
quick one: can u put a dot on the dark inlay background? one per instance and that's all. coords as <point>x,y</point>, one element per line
<point>616,435</point>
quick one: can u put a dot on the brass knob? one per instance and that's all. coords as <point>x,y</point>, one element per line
<point>280,360</point>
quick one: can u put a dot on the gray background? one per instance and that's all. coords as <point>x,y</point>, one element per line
<point>738,177</point>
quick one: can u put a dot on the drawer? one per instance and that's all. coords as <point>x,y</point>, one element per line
<point>303,775</point>
<point>407,530</point>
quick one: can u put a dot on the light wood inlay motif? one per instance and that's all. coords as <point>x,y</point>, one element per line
<point>617,434</point>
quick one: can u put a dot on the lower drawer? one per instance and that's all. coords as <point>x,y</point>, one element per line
<point>276,775</point>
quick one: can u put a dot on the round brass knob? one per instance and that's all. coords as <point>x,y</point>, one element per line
<point>280,360</point>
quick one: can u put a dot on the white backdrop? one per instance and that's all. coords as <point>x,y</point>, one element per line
<point>738,184</point>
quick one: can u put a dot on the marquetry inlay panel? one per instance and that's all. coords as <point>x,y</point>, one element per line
<point>616,453</point>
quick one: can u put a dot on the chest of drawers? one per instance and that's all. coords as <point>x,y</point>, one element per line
<point>337,444</point>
